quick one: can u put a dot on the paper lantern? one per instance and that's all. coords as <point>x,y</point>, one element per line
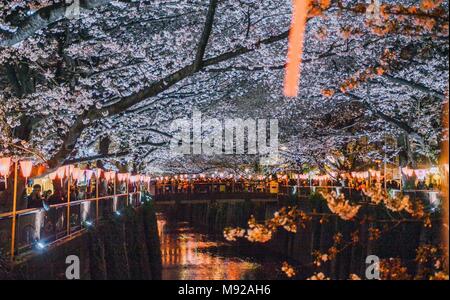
<point>123,176</point>
<point>26,166</point>
<point>52,176</point>
<point>108,175</point>
<point>77,173</point>
<point>60,172</point>
<point>98,173</point>
<point>88,174</point>
<point>69,170</point>
<point>5,165</point>
<point>376,174</point>
<point>295,47</point>
<point>421,174</point>
<point>408,172</point>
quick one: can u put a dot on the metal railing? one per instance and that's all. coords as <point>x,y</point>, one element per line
<point>434,198</point>
<point>23,230</point>
<point>213,196</point>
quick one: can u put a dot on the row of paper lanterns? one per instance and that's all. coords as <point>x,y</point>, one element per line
<point>5,166</point>
<point>69,170</point>
<point>86,174</point>
<point>358,175</point>
<point>421,174</point>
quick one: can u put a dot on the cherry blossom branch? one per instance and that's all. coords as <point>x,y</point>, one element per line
<point>154,89</point>
<point>205,35</point>
<point>44,17</point>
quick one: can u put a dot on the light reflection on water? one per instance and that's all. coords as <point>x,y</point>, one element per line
<point>188,254</point>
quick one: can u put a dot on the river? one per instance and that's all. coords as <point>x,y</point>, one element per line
<point>188,253</point>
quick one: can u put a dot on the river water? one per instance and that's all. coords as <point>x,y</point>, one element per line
<point>188,253</point>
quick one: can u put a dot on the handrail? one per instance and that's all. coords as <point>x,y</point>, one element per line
<point>36,210</point>
<point>40,236</point>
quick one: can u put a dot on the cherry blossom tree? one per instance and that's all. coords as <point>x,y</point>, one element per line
<point>106,84</point>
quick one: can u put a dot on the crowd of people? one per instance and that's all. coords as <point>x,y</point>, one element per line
<point>39,198</point>
<point>272,184</point>
<point>178,184</point>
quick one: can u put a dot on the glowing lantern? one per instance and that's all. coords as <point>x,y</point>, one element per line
<point>98,173</point>
<point>434,170</point>
<point>110,175</point>
<point>60,172</point>
<point>88,174</point>
<point>26,167</point>
<point>52,176</point>
<point>376,174</point>
<point>123,176</point>
<point>77,173</point>
<point>421,174</point>
<point>408,172</point>
<point>5,164</point>
<point>69,170</point>
<point>295,49</point>
<point>148,179</point>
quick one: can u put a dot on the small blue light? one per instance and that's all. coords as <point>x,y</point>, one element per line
<point>88,223</point>
<point>40,245</point>
<point>118,213</point>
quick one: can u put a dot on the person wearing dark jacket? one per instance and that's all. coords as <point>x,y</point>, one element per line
<point>35,198</point>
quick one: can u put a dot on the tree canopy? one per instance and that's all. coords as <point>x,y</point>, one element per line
<point>107,83</point>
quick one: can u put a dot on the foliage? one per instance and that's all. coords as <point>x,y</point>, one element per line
<point>126,69</point>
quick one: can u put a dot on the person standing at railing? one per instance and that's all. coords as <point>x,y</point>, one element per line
<point>35,198</point>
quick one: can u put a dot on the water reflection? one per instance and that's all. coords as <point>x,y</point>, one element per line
<point>188,254</point>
